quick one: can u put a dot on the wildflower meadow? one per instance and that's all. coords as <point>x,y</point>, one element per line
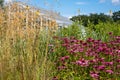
<point>75,52</point>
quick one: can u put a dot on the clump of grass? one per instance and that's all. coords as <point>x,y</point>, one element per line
<point>23,47</point>
<point>25,58</point>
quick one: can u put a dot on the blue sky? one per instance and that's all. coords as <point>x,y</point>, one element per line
<point>70,7</point>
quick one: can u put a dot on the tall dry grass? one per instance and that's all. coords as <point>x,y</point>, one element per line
<point>23,46</point>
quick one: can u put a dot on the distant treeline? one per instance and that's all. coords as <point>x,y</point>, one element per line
<point>1,3</point>
<point>96,18</point>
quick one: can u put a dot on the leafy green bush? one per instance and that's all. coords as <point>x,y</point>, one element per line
<point>101,30</point>
<point>75,30</point>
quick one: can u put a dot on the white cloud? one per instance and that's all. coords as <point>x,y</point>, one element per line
<point>70,17</point>
<point>116,2</point>
<point>80,3</point>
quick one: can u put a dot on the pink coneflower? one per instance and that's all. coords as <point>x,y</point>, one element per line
<point>110,33</point>
<point>94,75</point>
<point>100,48</point>
<point>118,51</point>
<point>101,59</point>
<point>65,44</point>
<point>84,44</point>
<point>66,40</point>
<point>67,57</point>
<point>107,63</point>
<point>118,66</point>
<point>94,61</point>
<point>61,67</point>
<point>82,62</point>
<point>81,49</point>
<point>101,67</point>
<point>62,58</point>
<point>89,40</point>
<point>109,71</point>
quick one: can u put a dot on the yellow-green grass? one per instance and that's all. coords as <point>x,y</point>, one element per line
<point>23,50</point>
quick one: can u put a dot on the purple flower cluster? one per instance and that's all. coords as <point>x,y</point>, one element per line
<point>94,74</point>
<point>82,62</point>
<point>94,56</point>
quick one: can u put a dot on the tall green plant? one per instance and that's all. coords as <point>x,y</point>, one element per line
<point>101,30</point>
<point>73,30</point>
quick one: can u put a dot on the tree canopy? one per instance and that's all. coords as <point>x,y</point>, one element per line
<point>92,18</point>
<point>1,2</point>
<point>96,18</point>
<point>116,16</point>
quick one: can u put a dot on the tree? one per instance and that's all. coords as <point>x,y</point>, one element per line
<point>96,18</point>
<point>116,16</point>
<point>1,3</point>
<point>92,18</point>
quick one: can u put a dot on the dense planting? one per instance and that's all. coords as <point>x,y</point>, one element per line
<point>30,51</point>
<point>89,59</point>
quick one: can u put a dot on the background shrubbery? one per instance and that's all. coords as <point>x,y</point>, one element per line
<point>97,18</point>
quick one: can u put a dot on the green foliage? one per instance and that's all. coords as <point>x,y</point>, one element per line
<point>73,30</point>
<point>101,30</point>
<point>92,18</point>
<point>1,2</point>
<point>116,16</point>
<point>98,31</point>
<point>95,18</point>
<point>81,18</point>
